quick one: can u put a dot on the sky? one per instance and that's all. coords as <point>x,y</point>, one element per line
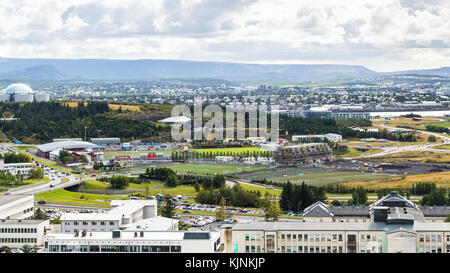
<point>383,35</point>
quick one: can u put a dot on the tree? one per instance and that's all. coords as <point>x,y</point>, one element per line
<point>168,207</point>
<point>220,212</point>
<point>436,197</point>
<point>171,180</point>
<point>218,181</point>
<point>359,196</point>
<point>35,248</point>
<point>65,156</point>
<point>26,249</point>
<point>272,211</point>
<point>336,203</point>
<point>197,186</point>
<point>37,173</point>
<point>84,159</point>
<point>431,138</point>
<point>38,214</point>
<point>447,219</point>
<point>119,182</point>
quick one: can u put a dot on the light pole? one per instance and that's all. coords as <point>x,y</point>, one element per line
<point>85,133</point>
<point>98,133</point>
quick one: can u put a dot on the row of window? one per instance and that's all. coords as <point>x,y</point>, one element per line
<point>27,210</point>
<point>311,249</point>
<point>112,248</point>
<point>18,230</point>
<point>433,249</point>
<point>102,223</point>
<point>432,238</point>
<point>312,237</point>
<point>18,240</point>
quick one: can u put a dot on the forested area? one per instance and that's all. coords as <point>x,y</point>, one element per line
<point>41,122</point>
<point>306,126</point>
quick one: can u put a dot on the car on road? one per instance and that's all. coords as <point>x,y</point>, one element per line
<point>42,202</point>
<point>270,187</point>
<point>187,211</point>
<point>51,185</point>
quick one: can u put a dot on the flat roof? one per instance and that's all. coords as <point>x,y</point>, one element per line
<point>22,221</point>
<point>157,223</point>
<point>176,235</point>
<point>5,199</point>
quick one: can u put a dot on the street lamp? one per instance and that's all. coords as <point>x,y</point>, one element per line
<point>85,133</point>
<point>98,133</point>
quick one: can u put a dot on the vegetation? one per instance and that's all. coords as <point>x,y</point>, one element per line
<point>119,182</point>
<point>15,158</point>
<point>168,207</point>
<point>272,211</point>
<point>296,197</point>
<point>43,121</point>
<point>359,197</point>
<point>437,197</point>
<point>437,128</point>
<point>235,196</point>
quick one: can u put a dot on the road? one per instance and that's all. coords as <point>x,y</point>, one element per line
<point>424,147</point>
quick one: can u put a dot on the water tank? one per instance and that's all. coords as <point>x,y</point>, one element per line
<point>41,96</point>
<point>23,97</point>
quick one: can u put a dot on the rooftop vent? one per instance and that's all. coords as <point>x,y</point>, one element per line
<point>135,234</point>
<point>142,234</point>
<point>83,234</point>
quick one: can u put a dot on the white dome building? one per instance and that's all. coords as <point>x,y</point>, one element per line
<point>19,92</point>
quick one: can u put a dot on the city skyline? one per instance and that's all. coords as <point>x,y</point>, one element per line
<point>388,35</point>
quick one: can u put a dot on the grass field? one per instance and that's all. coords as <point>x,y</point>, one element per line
<point>76,198</point>
<point>441,179</point>
<point>262,190</point>
<point>96,185</point>
<point>444,147</point>
<point>395,122</point>
<point>311,176</point>
<point>440,124</point>
<point>210,169</point>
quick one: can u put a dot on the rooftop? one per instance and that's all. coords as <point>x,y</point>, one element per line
<point>5,199</point>
<point>22,221</point>
<point>68,144</point>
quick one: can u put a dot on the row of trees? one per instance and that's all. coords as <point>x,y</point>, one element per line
<point>181,156</point>
<point>437,197</point>
<point>15,158</point>
<point>437,129</point>
<point>296,197</point>
<point>235,196</point>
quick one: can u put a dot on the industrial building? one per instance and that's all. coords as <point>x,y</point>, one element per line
<point>393,224</point>
<point>113,141</point>
<point>19,92</point>
<point>51,150</point>
<point>16,206</point>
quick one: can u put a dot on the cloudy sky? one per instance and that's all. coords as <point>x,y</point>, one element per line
<point>383,35</point>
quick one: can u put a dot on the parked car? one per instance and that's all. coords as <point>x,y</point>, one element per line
<point>187,211</point>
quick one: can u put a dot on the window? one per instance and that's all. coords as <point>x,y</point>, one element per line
<point>421,238</point>
<point>102,223</point>
<point>252,237</point>
<point>433,238</point>
<point>340,238</point>
<point>294,237</point>
<point>94,223</point>
<point>258,249</point>
<point>247,249</point>
<point>253,249</point>
<point>85,223</point>
<point>300,237</point>
<point>288,237</point>
<point>427,238</point>
<point>300,249</point>
<point>439,239</point>
<point>282,237</point>
<point>294,249</point>
<point>247,237</point>
<point>288,249</point>
<point>258,237</point>
<point>283,249</point>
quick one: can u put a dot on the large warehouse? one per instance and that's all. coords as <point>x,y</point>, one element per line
<point>19,92</point>
<point>51,150</point>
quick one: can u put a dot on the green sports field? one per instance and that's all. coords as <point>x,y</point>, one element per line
<point>310,176</point>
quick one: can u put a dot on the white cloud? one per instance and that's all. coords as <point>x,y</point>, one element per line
<point>383,35</point>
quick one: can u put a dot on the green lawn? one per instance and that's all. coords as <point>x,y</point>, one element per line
<point>225,151</point>
<point>262,190</point>
<point>110,154</point>
<point>211,169</point>
<point>76,198</point>
<point>96,185</point>
<point>440,124</point>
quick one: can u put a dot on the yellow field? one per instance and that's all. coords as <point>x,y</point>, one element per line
<point>134,108</point>
<point>417,156</point>
<point>441,179</point>
<point>408,122</point>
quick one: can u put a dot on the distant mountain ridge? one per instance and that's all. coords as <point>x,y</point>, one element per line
<point>102,69</point>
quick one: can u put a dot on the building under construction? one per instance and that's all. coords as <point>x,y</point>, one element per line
<point>302,154</point>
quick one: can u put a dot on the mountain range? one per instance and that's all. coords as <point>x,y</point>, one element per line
<point>102,69</point>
